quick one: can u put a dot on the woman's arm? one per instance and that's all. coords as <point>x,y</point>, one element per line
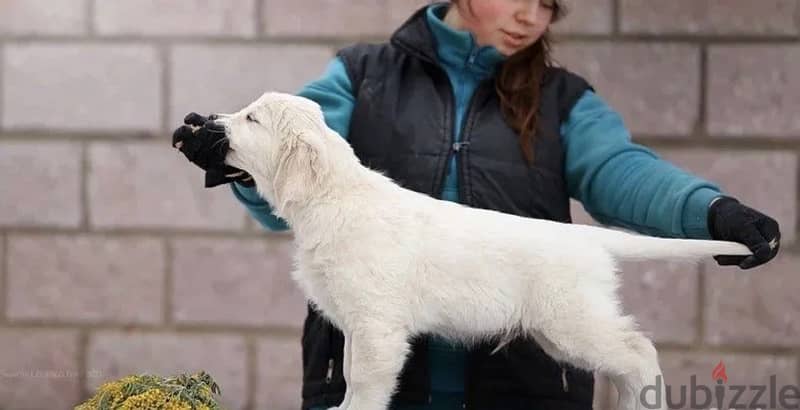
<point>333,92</point>
<point>624,184</point>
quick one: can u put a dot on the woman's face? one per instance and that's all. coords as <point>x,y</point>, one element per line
<point>508,25</point>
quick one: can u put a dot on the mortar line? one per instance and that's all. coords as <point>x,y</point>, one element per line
<point>673,38</point>
<point>323,41</point>
<point>90,12</point>
<point>166,298</point>
<point>2,82</point>
<point>701,127</point>
<point>83,378</point>
<point>616,17</point>
<point>797,209</point>
<point>260,27</point>
<point>797,364</point>
<point>193,40</point>
<point>752,350</point>
<point>251,382</point>
<point>797,367</point>
<point>194,328</point>
<point>4,263</point>
<point>797,34</point>
<point>717,143</point>
<point>173,234</point>
<point>85,168</point>
<point>165,76</point>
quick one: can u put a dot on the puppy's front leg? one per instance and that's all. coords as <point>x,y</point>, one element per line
<point>376,354</point>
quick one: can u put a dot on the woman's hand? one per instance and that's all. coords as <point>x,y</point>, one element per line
<point>729,220</point>
<point>206,147</point>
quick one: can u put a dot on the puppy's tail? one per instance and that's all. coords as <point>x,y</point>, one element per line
<point>639,247</point>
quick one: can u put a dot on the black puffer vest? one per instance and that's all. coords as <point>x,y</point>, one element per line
<point>402,124</point>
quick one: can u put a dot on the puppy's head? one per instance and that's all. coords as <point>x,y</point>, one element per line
<point>283,142</point>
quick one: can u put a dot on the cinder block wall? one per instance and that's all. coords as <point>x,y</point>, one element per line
<point>114,259</point>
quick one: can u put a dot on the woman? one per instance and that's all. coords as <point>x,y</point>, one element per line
<point>463,104</point>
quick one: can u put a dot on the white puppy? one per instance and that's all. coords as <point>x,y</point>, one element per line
<point>384,263</point>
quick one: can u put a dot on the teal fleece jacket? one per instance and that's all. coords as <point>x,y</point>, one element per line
<point>618,182</point>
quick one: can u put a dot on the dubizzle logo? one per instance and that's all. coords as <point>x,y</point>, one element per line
<point>720,376</point>
<point>700,396</point>
<point>719,373</point>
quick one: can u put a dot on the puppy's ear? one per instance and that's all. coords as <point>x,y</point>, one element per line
<point>302,167</point>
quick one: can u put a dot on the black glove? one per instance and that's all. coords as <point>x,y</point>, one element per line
<point>729,220</point>
<point>206,147</point>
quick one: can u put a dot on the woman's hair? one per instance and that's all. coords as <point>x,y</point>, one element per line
<point>518,84</point>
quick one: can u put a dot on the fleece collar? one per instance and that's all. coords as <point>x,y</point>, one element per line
<point>458,48</point>
<point>426,36</point>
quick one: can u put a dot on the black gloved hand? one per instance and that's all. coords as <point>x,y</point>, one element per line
<point>206,146</point>
<point>729,220</point>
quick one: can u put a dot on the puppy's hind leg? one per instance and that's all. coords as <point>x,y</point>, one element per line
<point>639,382</point>
<point>624,354</point>
<point>589,332</point>
<point>376,353</point>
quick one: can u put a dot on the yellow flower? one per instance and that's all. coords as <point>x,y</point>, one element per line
<point>147,392</point>
<point>150,400</point>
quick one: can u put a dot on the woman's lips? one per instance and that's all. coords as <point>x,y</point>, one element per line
<point>513,39</point>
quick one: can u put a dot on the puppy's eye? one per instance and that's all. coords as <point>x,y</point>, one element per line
<point>251,118</point>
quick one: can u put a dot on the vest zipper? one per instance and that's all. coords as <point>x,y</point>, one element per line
<point>564,383</point>
<point>457,146</point>
<point>472,56</point>
<point>451,99</point>
<point>329,373</point>
<point>464,142</point>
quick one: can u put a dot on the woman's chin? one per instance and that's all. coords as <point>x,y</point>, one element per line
<point>507,50</point>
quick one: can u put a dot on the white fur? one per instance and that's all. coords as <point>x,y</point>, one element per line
<point>384,263</point>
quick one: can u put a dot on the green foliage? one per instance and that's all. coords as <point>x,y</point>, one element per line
<point>149,392</point>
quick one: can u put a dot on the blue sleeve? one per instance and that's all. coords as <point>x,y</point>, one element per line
<point>624,184</point>
<point>333,92</point>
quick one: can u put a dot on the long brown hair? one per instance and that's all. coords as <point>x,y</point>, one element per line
<point>518,84</point>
